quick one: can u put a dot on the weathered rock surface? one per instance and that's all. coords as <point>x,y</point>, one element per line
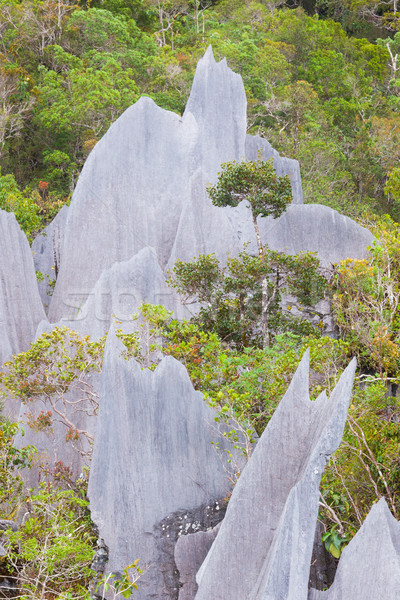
<point>263,549</point>
<point>117,294</point>
<point>54,452</point>
<point>47,251</point>
<point>317,228</point>
<point>155,474</point>
<point>369,567</point>
<point>190,552</point>
<point>20,306</point>
<point>144,184</point>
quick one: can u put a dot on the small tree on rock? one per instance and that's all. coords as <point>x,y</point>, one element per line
<point>267,194</point>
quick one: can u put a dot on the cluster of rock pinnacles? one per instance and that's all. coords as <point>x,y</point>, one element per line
<point>157,487</point>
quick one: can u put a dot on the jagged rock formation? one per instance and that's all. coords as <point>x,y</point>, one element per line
<point>263,549</point>
<point>155,474</point>
<point>46,250</point>
<point>369,567</point>
<point>139,205</point>
<point>116,296</point>
<point>20,306</point>
<point>144,184</point>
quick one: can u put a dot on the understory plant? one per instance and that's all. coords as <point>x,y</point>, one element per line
<point>52,380</point>
<point>50,554</point>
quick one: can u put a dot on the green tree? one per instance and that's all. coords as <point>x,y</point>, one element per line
<point>366,302</point>
<point>233,298</point>
<point>266,194</point>
<point>57,363</point>
<point>51,553</point>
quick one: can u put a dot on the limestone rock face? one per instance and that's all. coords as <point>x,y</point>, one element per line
<point>369,567</point>
<point>190,551</point>
<point>155,474</point>
<point>218,104</point>
<point>47,251</point>
<point>117,294</point>
<point>263,549</point>
<point>317,228</point>
<point>125,199</point>
<point>20,306</point>
<point>144,184</point>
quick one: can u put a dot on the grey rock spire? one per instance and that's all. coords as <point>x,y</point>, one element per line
<point>20,306</point>
<point>369,567</point>
<point>263,549</point>
<point>155,474</point>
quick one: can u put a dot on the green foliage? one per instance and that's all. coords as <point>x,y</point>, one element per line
<point>51,553</point>
<point>12,461</point>
<point>144,344</point>
<point>23,204</point>
<point>41,377</point>
<point>249,382</point>
<point>366,302</point>
<point>253,181</point>
<point>231,296</point>
<point>392,187</point>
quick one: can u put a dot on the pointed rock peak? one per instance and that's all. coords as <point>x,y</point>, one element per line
<point>114,346</point>
<point>364,572</point>
<point>341,394</point>
<point>216,81</point>
<point>218,103</point>
<point>170,369</point>
<point>299,386</point>
<point>381,517</point>
<point>209,55</point>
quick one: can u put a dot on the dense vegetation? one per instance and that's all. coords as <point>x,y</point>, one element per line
<point>322,85</point>
<point>330,100</point>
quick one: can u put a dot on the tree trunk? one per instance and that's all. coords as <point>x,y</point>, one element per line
<point>265,301</point>
<point>264,314</point>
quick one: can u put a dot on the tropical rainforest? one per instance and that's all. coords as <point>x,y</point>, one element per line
<point>323,86</point>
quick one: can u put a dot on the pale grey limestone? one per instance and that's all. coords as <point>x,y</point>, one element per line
<point>126,198</point>
<point>20,306</point>
<point>263,549</point>
<point>154,473</point>
<point>369,567</point>
<point>218,104</point>
<point>117,295</point>
<point>317,228</point>
<point>47,251</point>
<point>144,184</point>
